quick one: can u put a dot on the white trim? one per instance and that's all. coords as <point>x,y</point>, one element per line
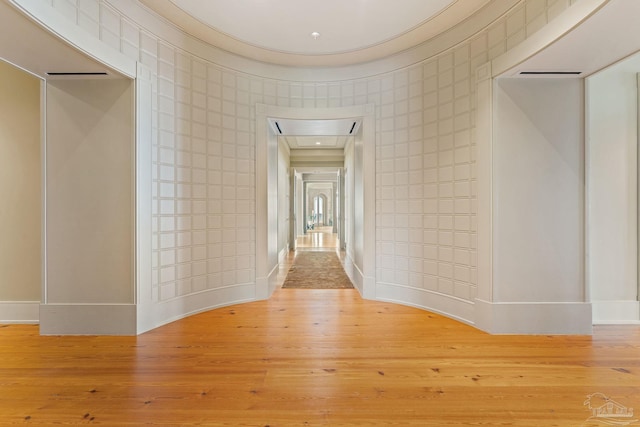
<point>19,311</point>
<point>368,129</point>
<point>548,318</point>
<point>450,24</point>
<point>88,319</point>
<point>272,280</point>
<point>552,31</point>
<point>312,68</point>
<point>264,272</point>
<point>587,191</point>
<point>143,184</point>
<point>283,254</point>
<point>263,285</point>
<point>43,191</point>
<point>263,269</point>
<point>52,21</point>
<point>637,166</point>
<point>164,312</point>
<point>446,305</point>
<point>616,312</point>
<point>354,273</point>
<point>484,180</point>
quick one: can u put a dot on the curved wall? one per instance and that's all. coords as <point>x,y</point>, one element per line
<point>204,213</point>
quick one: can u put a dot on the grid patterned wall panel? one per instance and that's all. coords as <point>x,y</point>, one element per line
<point>204,154</point>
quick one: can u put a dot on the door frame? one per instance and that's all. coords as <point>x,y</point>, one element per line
<point>359,265</point>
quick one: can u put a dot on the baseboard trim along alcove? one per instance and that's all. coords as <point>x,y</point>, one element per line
<point>19,312</point>
<point>533,318</point>
<point>88,319</point>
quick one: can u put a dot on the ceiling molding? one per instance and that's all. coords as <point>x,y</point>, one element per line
<point>458,13</point>
<point>585,38</point>
<point>154,24</point>
<point>344,26</point>
<point>42,42</point>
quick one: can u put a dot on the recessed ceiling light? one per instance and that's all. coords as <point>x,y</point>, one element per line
<point>315,35</point>
<point>318,143</point>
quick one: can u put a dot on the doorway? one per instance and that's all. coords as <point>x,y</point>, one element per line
<point>317,213</point>
<point>320,207</point>
<point>359,199</point>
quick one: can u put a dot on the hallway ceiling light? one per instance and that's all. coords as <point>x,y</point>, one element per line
<point>315,35</point>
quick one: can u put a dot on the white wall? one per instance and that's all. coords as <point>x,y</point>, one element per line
<point>425,177</point>
<point>357,222</point>
<point>539,187</point>
<point>538,207</point>
<point>20,192</point>
<point>89,213</point>
<point>612,192</point>
<point>349,214</point>
<point>267,177</point>
<point>284,206</point>
<point>299,205</point>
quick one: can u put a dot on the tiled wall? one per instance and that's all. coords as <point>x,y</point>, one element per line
<point>204,182</point>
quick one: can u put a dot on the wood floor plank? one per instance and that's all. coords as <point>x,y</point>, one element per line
<point>312,358</point>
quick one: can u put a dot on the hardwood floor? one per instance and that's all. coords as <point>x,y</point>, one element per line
<point>322,239</point>
<point>315,357</point>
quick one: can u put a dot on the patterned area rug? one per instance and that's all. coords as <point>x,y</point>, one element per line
<point>317,270</point>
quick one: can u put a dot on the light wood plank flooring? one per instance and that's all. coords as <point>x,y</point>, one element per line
<point>315,357</point>
<point>321,239</point>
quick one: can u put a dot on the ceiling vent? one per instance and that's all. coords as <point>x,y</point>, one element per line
<point>550,73</point>
<point>93,73</point>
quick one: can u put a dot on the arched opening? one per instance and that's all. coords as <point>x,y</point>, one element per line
<point>318,216</point>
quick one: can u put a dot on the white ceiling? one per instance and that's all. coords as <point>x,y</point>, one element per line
<point>609,35</point>
<point>39,52</point>
<point>351,31</point>
<point>316,134</point>
<point>316,142</point>
<point>333,127</point>
<point>286,25</point>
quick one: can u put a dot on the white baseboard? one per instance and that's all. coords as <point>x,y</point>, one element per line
<point>87,319</point>
<point>265,285</point>
<point>449,306</point>
<point>535,318</point>
<point>283,254</point>
<point>19,311</point>
<point>616,312</point>
<point>154,315</point>
<point>354,273</point>
<point>272,280</point>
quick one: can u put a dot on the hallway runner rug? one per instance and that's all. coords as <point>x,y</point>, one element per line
<point>317,270</point>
